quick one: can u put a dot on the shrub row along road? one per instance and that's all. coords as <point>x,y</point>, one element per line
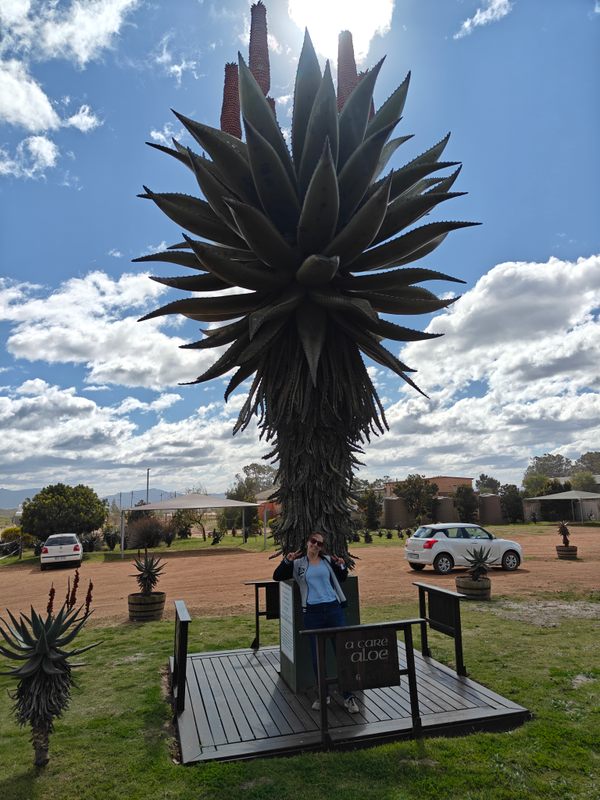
<point>212,583</point>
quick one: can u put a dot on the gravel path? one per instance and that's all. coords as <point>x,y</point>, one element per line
<point>212,584</point>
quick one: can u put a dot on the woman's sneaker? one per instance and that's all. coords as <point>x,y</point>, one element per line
<point>351,705</point>
<point>316,706</point>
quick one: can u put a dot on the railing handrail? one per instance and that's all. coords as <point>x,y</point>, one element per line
<point>182,621</point>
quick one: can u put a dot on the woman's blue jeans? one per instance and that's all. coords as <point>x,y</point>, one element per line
<point>323,615</point>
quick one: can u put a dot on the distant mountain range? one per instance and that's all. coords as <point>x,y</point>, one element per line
<point>11,498</point>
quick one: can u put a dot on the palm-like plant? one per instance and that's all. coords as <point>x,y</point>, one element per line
<point>479,562</point>
<point>44,689</point>
<point>312,236</point>
<point>149,569</point>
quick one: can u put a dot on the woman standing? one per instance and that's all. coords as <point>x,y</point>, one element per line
<point>318,577</point>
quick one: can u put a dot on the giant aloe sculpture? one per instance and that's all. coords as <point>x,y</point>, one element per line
<point>316,235</point>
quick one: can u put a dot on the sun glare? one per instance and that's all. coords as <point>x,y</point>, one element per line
<point>326,18</point>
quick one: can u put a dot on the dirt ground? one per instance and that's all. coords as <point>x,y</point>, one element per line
<point>212,582</point>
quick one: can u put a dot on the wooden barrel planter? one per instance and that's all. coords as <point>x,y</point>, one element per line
<point>567,552</point>
<point>474,590</point>
<point>146,607</point>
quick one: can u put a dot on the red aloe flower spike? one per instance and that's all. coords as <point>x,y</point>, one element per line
<point>73,597</point>
<point>230,110</point>
<point>88,598</point>
<point>347,77</point>
<point>259,48</point>
<point>51,594</point>
<point>68,597</point>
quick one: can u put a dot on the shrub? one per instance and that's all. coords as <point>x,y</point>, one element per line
<point>91,542</point>
<point>111,539</point>
<point>169,536</point>
<point>11,534</point>
<point>388,535</point>
<point>368,538</point>
<point>145,532</point>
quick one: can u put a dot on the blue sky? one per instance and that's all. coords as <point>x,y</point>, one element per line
<point>87,394</point>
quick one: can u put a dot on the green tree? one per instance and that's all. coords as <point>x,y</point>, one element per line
<point>319,239</point>
<point>183,520</point>
<point>583,481</point>
<point>370,506</point>
<point>554,465</point>
<point>588,462</point>
<point>465,501</point>
<point>259,477</point>
<point>486,484</point>
<point>534,483</point>
<point>63,509</point>
<point>511,502</point>
<point>418,495</point>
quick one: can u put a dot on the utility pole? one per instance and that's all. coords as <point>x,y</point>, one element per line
<point>147,485</point>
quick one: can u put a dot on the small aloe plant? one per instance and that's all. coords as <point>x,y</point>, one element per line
<point>44,689</point>
<point>149,569</point>
<point>563,530</point>
<point>479,562</point>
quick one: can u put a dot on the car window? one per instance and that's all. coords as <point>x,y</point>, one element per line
<point>479,533</point>
<point>454,533</point>
<point>424,533</point>
<point>58,540</point>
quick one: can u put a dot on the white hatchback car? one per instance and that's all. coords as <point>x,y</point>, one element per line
<point>446,545</point>
<point>59,548</point>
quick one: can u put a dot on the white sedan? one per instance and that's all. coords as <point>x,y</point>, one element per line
<point>446,545</point>
<point>59,548</point>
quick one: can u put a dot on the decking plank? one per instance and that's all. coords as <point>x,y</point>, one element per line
<point>238,707</point>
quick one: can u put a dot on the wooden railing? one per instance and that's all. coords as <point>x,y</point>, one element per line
<point>271,609</point>
<point>182,621</point>
<point>440,610</point>
<point>368,634</point>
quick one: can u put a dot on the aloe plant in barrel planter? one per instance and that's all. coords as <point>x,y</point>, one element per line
<point>475,584</point>
<point>147,605</point>
<point>565,550</point>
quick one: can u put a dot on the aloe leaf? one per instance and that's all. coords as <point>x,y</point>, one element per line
<point>275,189</point>
<point>244,372</point>
<point>257,111</point>
<point>229,154</point>
<point>248,275</point>
<point>213,190</point>
<point>194,215</point>
<point>394,279</point>
<point>317,270</point>
<point>388,151</point>
<point>211,309</point>
<point>404,211</point>
<point>264,239</point>
<point>391,110</point>
<point>193,283</point>
<point>389,330</point>
<point>445,184</point>
<point>334,301</point>
<point>170,152</point>
<point>355,114</point>
<point>322,125</point>
<point>408,177</point>
<point>311,323</point>
<point>399,249</point>
<point>358,234</point>
<point>407,303</point>
<point>308,80</point>
<point>260,341</point>
<point>180,257</point>
<point>358,171</point>
<point>319,216</point>
<point>288,301</point>
<point>222,365</point>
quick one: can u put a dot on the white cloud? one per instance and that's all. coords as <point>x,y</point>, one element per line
<point>84,120</point>
<point>175,69</point>
<point>514,376</point>
<point>115,253</point>
<point>23,101</point>
<point>325,20</point>
<point>100,335</point>
<point>168,132</point>
<point>493,11</point>
<point>32,158</point>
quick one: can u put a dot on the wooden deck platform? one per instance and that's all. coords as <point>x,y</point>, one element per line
<point>237,707</point>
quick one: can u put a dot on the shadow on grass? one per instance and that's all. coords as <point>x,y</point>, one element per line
<point>22,785</point>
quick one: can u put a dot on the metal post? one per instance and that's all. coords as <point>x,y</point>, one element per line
<point>122,534</point>
<point>265,525</point>
<point>147,485</point>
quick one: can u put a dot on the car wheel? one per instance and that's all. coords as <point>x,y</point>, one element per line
<point>443,564</point>
<point>510,560</point>
<point>416,567</point>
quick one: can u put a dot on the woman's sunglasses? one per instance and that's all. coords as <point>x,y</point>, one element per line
<point>317,542</point>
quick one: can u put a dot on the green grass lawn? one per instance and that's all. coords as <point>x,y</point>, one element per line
<point>116,742</point>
